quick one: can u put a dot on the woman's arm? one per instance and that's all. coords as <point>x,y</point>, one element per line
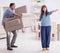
<point>54,10</point>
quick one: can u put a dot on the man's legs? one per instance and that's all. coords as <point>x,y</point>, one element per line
<point>14,38</point>
<point>8,42</point>
<point>8,39</point>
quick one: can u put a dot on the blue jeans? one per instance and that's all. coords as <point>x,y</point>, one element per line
<point>45,36</point>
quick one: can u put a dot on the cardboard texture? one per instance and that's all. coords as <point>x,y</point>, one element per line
<point>12,24</point>
<point>19,11</point>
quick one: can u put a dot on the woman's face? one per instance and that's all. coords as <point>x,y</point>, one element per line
<point>44,9</point>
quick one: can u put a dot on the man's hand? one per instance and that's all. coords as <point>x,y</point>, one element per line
<point>20,16</point>
<point>17,15</point>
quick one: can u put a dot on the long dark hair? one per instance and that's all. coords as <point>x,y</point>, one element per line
<point>42,12</point>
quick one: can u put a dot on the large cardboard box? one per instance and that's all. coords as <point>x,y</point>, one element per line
<point>21,10</point>
<point>12,24</point>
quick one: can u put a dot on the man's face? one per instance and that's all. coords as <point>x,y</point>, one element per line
<point>13,7</point>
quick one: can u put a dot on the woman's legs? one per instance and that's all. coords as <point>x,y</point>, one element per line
<point>43,36</point>
<point>48,31</point>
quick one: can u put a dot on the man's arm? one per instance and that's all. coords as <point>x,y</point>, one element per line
<point>17,15</point>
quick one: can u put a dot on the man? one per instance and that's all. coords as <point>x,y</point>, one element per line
<point>9,13</point>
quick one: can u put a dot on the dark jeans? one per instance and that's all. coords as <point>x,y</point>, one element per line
<point>45,36</point>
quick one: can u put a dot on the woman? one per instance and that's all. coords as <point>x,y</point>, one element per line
<point>45,26</point>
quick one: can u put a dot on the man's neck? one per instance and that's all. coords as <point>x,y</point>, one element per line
<point>11,8</point>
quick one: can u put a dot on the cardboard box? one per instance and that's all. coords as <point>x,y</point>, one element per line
<point>12,24</point>
<point>21,10</point>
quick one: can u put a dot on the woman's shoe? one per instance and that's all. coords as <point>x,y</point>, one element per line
<point>44,49</point>
<point>47,48</point>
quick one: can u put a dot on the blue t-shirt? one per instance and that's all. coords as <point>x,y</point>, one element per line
<point>45,21</point>
<point>9,13</point>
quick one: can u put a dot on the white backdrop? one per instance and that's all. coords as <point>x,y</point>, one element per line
<point>51,4</point>
<point>18,3</point>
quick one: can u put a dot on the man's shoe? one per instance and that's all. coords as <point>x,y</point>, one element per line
<point>14,46</point>
<point>9,49</point>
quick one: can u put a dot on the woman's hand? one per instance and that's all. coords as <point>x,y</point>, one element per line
<point>55,10</point>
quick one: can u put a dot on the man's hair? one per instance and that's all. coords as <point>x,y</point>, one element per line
<point>11,4</point>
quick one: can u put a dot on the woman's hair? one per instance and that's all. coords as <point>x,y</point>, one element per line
<point>42,12</point>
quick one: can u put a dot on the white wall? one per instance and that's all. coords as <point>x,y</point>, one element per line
<point>51,4</point>
<point>18,3</point>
